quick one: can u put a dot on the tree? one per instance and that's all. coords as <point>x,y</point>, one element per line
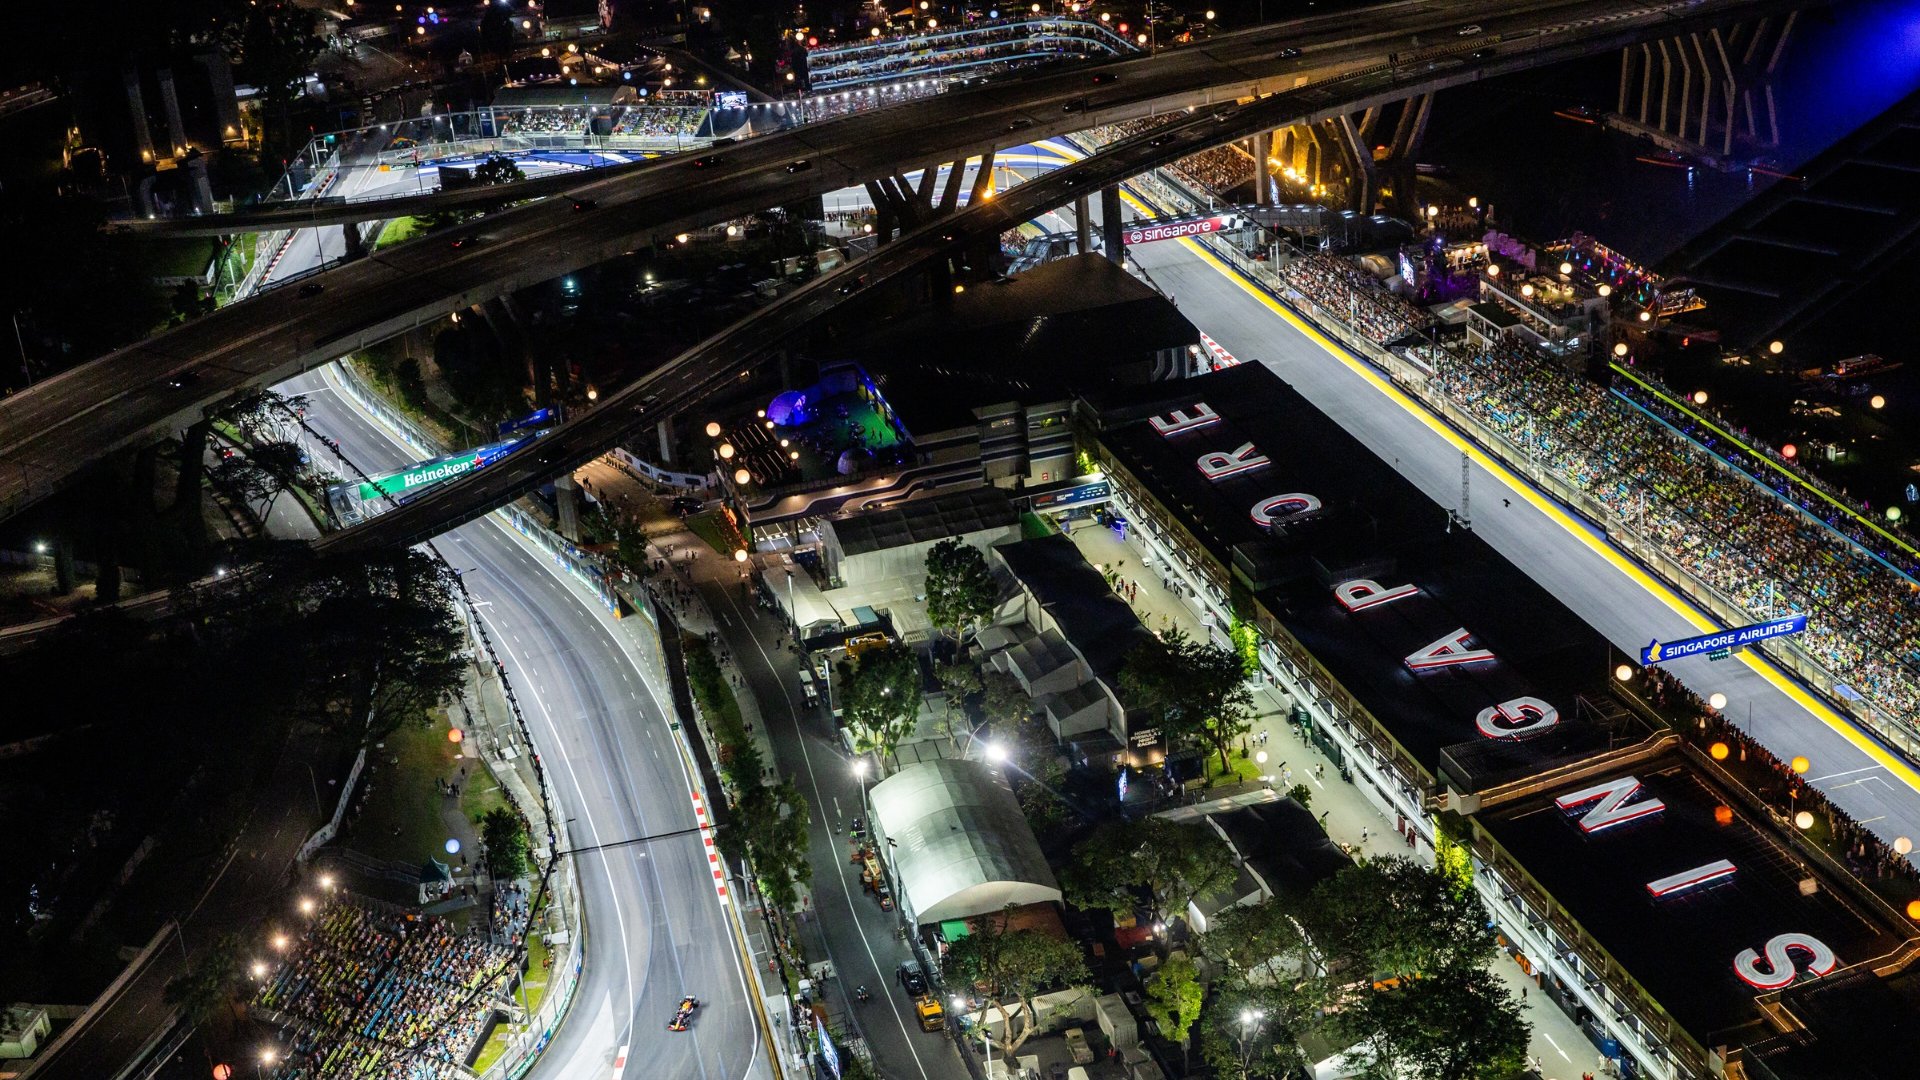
<point>276,47</point>
<point>768,828</point>
<point>1393,917</point>
<point>504,835</point>
<point>882,698</point>
<point>1249,1034</point>
<point>1258,945</point>
<point>497,169</point>
<point>209,981</point>
<point>260,476</point>
<point>960,588</point>
<point>1003,698</point>
<point>1007,969</point>
<point>1198,691</point>
<point>960,680</point>
<point>1458,1023</point>
<point>1174,997</point>
<point>1167,862</point>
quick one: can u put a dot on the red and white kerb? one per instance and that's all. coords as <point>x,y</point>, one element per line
<point>713,854</point>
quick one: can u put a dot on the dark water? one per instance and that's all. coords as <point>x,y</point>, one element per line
<point>1547,177</point>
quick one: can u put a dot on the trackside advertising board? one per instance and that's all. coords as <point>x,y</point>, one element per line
<point>1659,652</point>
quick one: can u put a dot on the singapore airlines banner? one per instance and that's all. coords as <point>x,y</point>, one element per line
<point>1173,230</point>
<point>1658,652</point>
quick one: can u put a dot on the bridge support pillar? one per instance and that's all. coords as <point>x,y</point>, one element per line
<point>1262,150</point>
<point>566,498</point>
<point>1110,227</point>
<point>356,244</point>
<point>664,432</point>
<point>1707,93</point>
<point>1082,226</point>
<point>137,112</point>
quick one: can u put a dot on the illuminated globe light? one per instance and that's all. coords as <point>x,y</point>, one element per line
<point>1432,211</point>
<point>681,238</point>
<point>1620,349</point>
<point>223,1072</point>
<point>1142,39</point>
<point>740,555</point>
<point>741,476</point>
<point>1624,672</point>
<point>1719,751</point>
<point>1902,845</point>
<point>876,31</point>
<point>1789,451</point>
<point>453,846</point>
<point>1723,815</point>
<point>1878,401</point>
<point>726,450</point>
<point>713,429</point>
<point>1718,701</point>
<point>1566,268</point>
<point>1526,290</point>
<point>1493,269</point>
<point>454,735</point>
<point>1801,765</point>
<point>1646,316</point>
<point>1913,909</point>
<point>1699,397</point>
<point>1605,291</point>
<point>1776,347</point>
<point>793,455</point>
<point>1804,819</point>
<point>1473,203</point>
<point>1893,513</point>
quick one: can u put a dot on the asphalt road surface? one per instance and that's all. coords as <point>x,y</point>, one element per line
<point>655,929</point>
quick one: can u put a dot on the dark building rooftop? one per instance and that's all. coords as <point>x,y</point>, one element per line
<point>916,521</point>
<point>1283,843</point>
<point>1371,523</point>
<point>1073,326</point>
<point>1098,623</point>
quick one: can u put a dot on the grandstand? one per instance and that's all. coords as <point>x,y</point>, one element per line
<point>980,48</point>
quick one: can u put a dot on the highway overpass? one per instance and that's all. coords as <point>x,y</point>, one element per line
<point>51,431</point>
<point>733,353</point>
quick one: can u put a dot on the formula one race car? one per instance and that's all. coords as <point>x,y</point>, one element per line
<point>683,1014</point>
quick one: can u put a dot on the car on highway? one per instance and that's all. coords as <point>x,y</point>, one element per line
<point>912,979</point>
<point>584,204</point>
<point>686,504</point>
<point>705,160</point>
<point>1102,78</point>
<point>799,166</point>
<point>684,1014</point>
<point>1468,30</point>
<point>180,380</point>
<point>1289,53</point>
<point>1019,123</point>
<point>463,241</point>
<point>312,288</point>
<point>1080,105</point>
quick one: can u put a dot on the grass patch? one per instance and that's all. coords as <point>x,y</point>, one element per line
<point>533,991</point>
<point>709,527</point>
<point>402,820</point>
<point>1034,527</point>
<point>482,793</point>
<point>1241,769</point>
<point>397,231</point>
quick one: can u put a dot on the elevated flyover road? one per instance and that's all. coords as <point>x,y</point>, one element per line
<point>54,429</point>
<point>732,353</point>
<point>959,123</point>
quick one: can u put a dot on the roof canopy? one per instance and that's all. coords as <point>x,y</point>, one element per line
<point>962,846</point>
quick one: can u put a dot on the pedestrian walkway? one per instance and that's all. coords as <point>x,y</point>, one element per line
<point>1349,818</point>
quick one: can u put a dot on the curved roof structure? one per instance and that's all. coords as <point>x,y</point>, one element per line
<point>961,845</point>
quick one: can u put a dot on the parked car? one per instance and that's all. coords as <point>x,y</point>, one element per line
<point>912,979</point>
<point>312,288</point>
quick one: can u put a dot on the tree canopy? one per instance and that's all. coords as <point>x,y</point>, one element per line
<point>1006,969</point>
<point>1393,917</point>
<point>960,587</point>
<point>1196,691</point>
<point>881,698</point>
<point>1161,863</point>
<point>1173,997</point>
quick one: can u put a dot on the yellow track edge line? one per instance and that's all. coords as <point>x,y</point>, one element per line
<point>1659,589</point>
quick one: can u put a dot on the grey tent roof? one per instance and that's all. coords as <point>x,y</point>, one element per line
<point>962,846</point>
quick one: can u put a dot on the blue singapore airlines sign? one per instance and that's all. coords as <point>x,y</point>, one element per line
<point>1659,652</point>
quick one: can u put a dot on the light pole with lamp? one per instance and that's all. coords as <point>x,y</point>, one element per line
<point>1251,1021</point>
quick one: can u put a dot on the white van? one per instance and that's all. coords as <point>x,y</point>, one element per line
<point>809,688</point>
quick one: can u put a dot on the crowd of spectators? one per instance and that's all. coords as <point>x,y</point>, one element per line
<point>1349,293</point>
<point>377,993</point>
<point>1218,169</point>
<point>817,107</point>
<point>658,121</point>
<point>560,120</point>
<point>1863,619</point>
